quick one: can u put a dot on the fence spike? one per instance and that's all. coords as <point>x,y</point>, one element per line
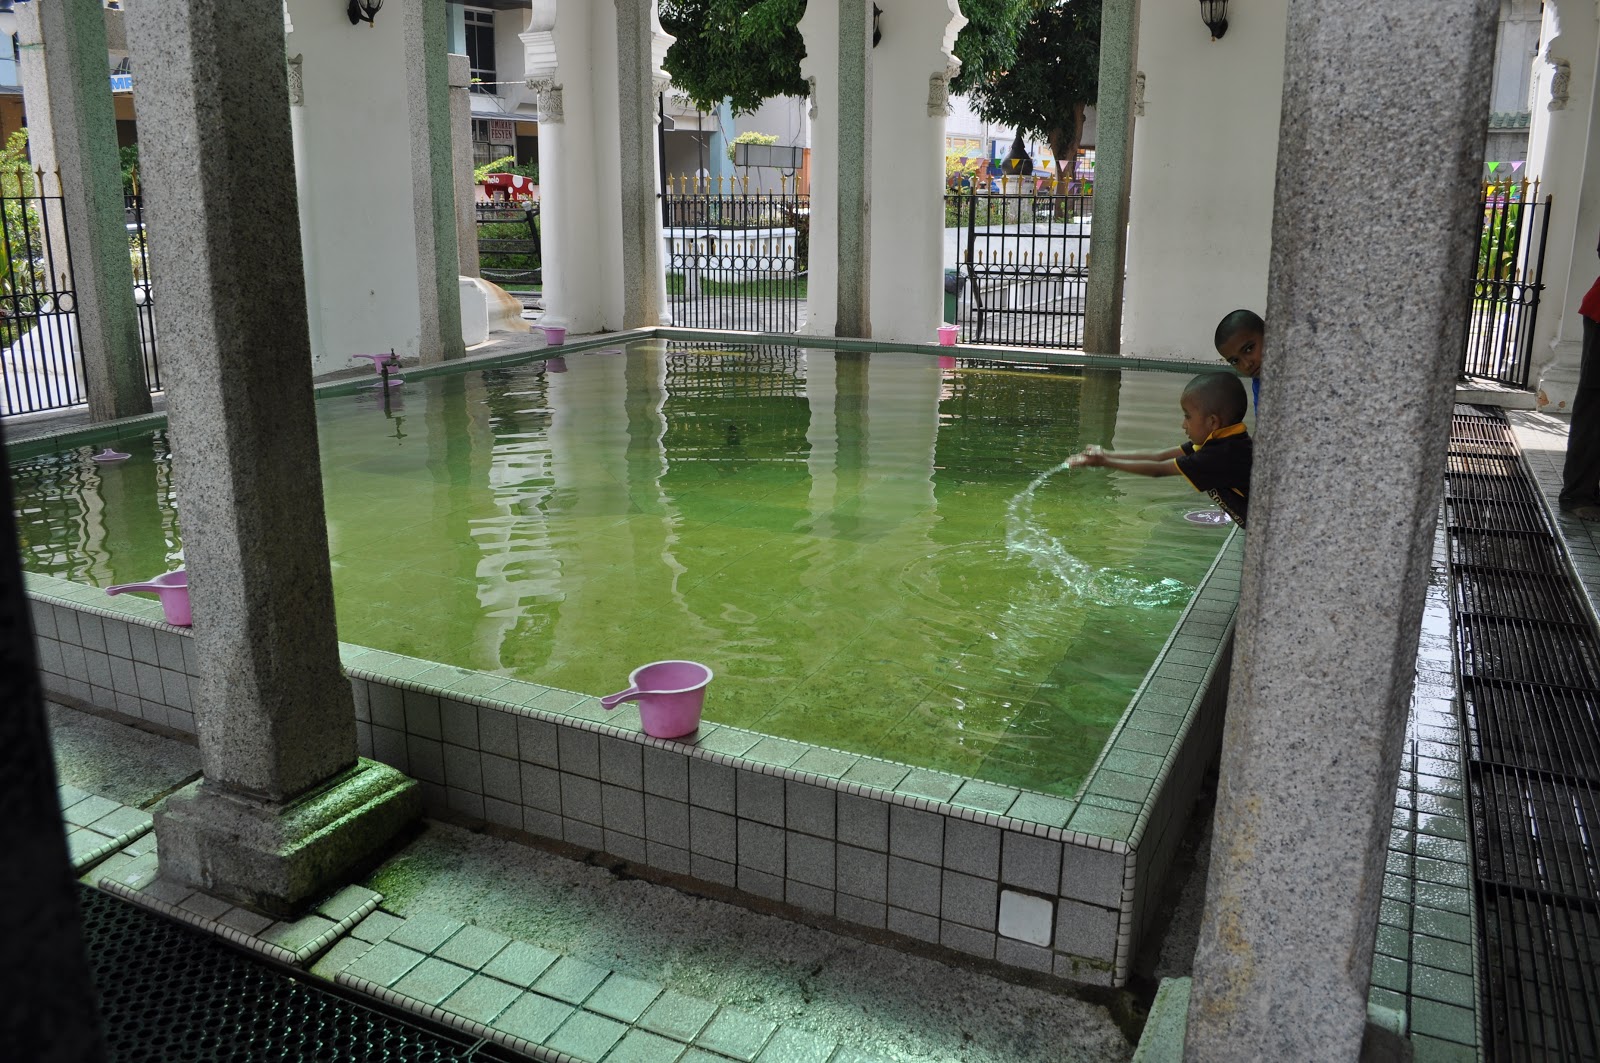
<point>783,184</point>
<point>746,186</point>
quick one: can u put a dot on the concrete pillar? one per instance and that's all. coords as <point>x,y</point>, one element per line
<point>1200,238</point>
<point>433,188</point>
<point>285,807</point>
<point>461,165</point>
<point>838,66</point>
<point>913,64</point>
<point>83,126</point>
<point>1113,165</point>
<point>1328,622</point>
<point>1564,153</point>
<point>50,1012</point>
<point>641,48</point>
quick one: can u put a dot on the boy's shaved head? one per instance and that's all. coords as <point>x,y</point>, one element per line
<point>1236,322</point>
<point>1218,393</point>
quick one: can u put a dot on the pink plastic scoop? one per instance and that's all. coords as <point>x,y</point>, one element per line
<point>670,696</point>
<point>173,590</point>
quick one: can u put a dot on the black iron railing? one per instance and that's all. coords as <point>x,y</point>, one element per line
<point>1507,279</point>
<point>139,257</point>
<point>1023,264</point>
<point>43,369</point>
<point>509,248</point>
<point>735,259</point>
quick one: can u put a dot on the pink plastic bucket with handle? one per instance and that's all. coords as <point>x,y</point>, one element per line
<point>173,590</point>
<point>670,696</point>
<point>554,335</point>
<point>947,335</point>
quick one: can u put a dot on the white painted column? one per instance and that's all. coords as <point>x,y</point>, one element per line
<point>913,64</point>
<point>820,66</point>
<point>1206,136</point>
<point>1564,153</point>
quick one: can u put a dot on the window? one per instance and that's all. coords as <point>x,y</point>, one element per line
<point>489,142</point>
<point>970,146</point>
<point>480,50</point>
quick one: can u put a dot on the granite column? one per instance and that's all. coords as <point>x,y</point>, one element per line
<point>82,125</point>
<point>1113,177</point>
<point>461,165</point>
<point>641,49</point>
<point>285,807</point>
<point>1337,556</point>
<point>433,188</point>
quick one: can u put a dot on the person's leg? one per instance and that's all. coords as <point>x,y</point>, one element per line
<point>1580,479</point>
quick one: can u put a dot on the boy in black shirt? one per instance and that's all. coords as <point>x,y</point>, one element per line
<point>1216,460</point>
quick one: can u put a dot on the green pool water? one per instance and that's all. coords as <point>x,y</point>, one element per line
<point>873,553</point>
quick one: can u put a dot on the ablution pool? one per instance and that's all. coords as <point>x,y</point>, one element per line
<point>875,552</point>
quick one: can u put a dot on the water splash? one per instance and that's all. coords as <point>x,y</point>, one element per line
<point>1027,536</point>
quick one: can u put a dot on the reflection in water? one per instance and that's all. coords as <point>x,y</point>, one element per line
<point>871,553</point>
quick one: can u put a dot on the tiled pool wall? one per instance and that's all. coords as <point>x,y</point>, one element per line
<point>1059,886</point>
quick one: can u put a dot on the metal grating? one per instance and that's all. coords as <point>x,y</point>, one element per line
<point>1529,656</point>
<point>168,992</point>
<point>1491,487</point>
<point>1543,1003</point>
<point>1536,831</point>
<point>1520,596</point>
<point>1495,515</point>
<point>1528,651</point>
<point>1506,552</point>
<point>1535,727</point>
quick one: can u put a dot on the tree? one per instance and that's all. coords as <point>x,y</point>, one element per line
<point>744,51</point>
<point>1055,75</point>
<point>748,51</point>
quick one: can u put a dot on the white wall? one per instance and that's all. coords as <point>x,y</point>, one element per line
<point>1204,161</point>
<point>1515,47</point>
<point>783,117</point>
<point>353,167</point>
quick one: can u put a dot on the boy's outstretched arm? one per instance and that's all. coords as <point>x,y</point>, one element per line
<point>1146,463</point>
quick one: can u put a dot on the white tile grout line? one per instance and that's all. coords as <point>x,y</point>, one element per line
<point>310,950</point>
<point>448,1018</point>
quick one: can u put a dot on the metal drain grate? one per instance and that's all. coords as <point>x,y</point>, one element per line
<point>1518,595</point>
<point>1506,552</point>
<point>1536,832</point>
<point>1528,651</point>
<point>1544,1002</point>
<point>1494,515</point>
<point>1529,657</point>
<point>1534,727</point>
<point>170,993</point>
<point>1491,487</point>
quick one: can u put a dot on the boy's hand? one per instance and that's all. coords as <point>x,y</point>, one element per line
<point>1092,455</point>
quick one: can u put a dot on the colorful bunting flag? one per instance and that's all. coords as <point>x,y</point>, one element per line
<point>1517,165</point>
<point>1493,166</point>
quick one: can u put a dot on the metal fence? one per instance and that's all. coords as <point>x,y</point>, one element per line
<point>736,259</point>
<point>1508,278</point>
<point>43,369</point>
<point>509,248</point>
<point>1022,265</point>
<point>139,257</point>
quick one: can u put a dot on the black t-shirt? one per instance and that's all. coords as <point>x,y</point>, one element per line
<point>1220,467</point>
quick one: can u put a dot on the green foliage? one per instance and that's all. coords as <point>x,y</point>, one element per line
<point>1499,238</point>
<point>129,158</point>
<point>506,164</point>
<point>744,51</point>
<point>751,137</point>
<point>18,272</point>
<point>988,42</point>
<point>1055,74</point>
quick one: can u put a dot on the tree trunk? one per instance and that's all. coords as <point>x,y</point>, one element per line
<point>1064,143</point>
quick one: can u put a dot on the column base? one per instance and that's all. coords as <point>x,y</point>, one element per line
<point>1558,381</point>
<point>276,857</point>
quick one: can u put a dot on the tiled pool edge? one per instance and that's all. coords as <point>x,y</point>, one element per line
<point>1048,884</point>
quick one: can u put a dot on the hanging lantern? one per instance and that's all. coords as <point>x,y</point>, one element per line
<point>1214,13</point>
